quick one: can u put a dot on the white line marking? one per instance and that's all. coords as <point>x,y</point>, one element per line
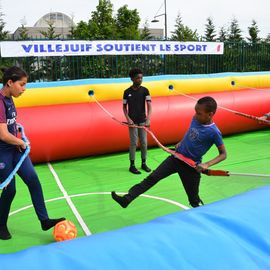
<point>69,201</point>
<point>142,195</point>
<point>167,200</point>
<point>102,193</point>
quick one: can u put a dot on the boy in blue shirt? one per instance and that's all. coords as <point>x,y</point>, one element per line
<point>199,138</point>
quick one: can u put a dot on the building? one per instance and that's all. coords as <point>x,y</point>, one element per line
<point>62,25</point>
<point>61,22</point>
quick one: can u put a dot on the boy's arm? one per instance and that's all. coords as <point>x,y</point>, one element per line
<point>222,155</point>
<point>130,122</point>
<point>149,112</point>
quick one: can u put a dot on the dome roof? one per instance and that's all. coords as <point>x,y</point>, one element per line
<point>59,20</point>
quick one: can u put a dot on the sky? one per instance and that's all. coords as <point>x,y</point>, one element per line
<point>193,12</point>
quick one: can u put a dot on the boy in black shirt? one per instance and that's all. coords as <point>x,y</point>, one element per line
<point>134,100</point>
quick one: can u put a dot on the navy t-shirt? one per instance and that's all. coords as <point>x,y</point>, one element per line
<point>8,115</point>
<point>199,139</point>
<point>135,99</point>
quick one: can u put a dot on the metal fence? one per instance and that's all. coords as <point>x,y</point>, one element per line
<point>237,57</point>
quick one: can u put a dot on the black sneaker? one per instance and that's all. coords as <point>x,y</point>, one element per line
<point>49,223</point>
<point>197,204</point>
<point>146,168</point>
<point>4,233</point>
<point>134,170</point>
<point>119,199</point>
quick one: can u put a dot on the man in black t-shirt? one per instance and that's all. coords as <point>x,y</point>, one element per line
<point>134,100</point>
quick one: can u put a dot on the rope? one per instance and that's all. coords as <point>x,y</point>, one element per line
<point>252,117</point>
<point>247,87</point>
<point>25,154</point>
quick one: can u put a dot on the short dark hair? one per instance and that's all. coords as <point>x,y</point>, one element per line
<point>12,73</point>
<point>209,103</point>
<point>134,72</point>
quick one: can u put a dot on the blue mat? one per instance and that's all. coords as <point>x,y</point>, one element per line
<point>230,234</point>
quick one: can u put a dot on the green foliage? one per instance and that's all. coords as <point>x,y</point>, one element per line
<point>102,22</point>
<point>267,39</point>
<point>81,31</point>
<point>210,32</point>
<point>23,33</point>
<point>127,23</point>
<point>4,62</point>
<point>3,33</point>
<point>234,31</point>
<point>223,34</point>
<point>51,68</point>
<point>145,33</point>
<point>253,31</point>
<point>50,33</point>
<point>183,32</point>
<point>102,25</point>
<point>71,32</point>
<point>27,63</point>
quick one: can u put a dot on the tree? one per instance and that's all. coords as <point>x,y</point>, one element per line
<point>145,34</point>
<point>267,39</point>
<point>102,23</point>
<point>183,32</point>
<point>253,31</point>
<point>235,31</point>
<point>51,68</point>
<point>223,34</point>
<point>127,23</point>
<point>23,33</point>
<point>29,64</point>
<point>100,26</point>
<point>103,26</point>
<point>4,62</point>
<point>50,33</point>
<point>72,28</point>
<point>3,33</point>
<point>210,30</point>
<point>81,31</point>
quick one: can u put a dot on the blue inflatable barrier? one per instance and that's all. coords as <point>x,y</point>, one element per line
<point>229,234</point>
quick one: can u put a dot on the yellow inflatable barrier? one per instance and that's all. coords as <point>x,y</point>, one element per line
<point>70,92</point>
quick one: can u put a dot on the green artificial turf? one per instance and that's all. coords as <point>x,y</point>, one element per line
<point>88,181</point>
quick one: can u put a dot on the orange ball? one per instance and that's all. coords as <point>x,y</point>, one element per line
<point>64,230</point>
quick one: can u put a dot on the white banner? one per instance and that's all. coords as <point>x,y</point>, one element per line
<point>105,47</point>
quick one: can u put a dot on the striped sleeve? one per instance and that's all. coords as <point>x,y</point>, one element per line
<point>147,95</point>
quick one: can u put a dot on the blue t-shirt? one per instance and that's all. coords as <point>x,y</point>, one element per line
<point>199,139</point>
<point>8,115</point>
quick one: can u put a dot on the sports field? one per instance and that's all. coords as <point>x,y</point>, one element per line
<point>80,190</point>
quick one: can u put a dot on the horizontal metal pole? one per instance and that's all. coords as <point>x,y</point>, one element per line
<point>251,175</point>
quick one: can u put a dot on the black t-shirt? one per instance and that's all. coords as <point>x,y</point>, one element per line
<point>135,99</point>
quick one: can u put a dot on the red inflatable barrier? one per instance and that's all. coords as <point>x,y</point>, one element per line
<point>75,130</point>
